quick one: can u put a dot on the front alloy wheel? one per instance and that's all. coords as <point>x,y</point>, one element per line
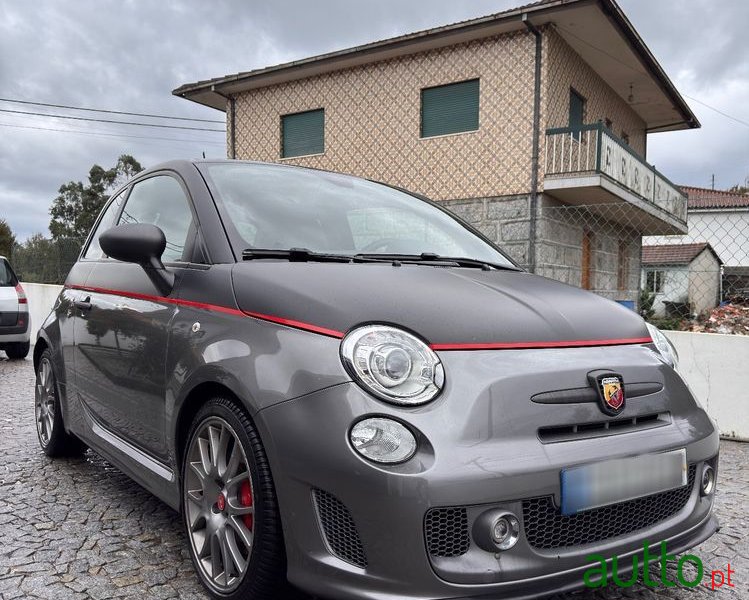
<point>229,506</point>
<point>50,429</point>
<point>219,503</point>
<point>45,402</point>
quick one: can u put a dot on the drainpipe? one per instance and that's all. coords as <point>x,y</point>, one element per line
<point>536,143</point>
<point>233,113</point>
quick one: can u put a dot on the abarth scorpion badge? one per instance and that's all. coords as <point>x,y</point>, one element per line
<point>610,388</point>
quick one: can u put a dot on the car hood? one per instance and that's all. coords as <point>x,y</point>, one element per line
<point>444,305</point>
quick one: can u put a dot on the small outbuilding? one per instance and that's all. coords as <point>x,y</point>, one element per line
<point>685,278</point>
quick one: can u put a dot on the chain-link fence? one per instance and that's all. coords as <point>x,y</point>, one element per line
<point>696,278</point>
<point>41,260</point>
<point>679,275</point>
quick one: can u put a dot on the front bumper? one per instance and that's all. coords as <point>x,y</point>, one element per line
<point>475,454</point>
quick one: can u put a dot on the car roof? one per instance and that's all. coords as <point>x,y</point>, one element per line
<point>179,164</point>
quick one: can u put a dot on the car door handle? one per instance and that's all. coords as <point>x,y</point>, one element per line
<point>83,305</point>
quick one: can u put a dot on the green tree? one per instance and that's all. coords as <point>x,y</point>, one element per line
<point>77,205</point>
<point>41,260</point>
<point>7,239</point>
<point>739,189</point>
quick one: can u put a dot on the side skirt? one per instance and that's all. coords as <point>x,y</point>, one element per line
<point>155,476</point>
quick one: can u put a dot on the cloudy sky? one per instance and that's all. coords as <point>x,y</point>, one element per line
<point>128,55</point>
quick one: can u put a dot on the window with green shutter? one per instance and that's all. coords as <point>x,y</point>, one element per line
<point>451,108</point>
<point>303,133</point>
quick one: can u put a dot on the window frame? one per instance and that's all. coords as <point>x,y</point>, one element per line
<point>587,262</point>
<point>623,266</point>
<point>659,276</point>
<point>584,104</point>
<point>13,277</point>
<point>125,192</point>
<point>444,85</point>
<point>281,152</point>
<point>194,241</point>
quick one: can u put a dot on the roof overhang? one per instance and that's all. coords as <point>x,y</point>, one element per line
<point>598,30</point>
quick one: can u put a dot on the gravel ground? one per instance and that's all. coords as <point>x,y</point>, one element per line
<point>78,528</point>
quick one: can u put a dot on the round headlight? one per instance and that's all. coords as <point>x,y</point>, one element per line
<point>392,364</point>
<point>664,346</point>
<point>383,440</point>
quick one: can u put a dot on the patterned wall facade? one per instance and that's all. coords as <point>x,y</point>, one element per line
<point>372,120</point>
<point>564,69</point>
<point>372,116</point>
<point>372,129</point>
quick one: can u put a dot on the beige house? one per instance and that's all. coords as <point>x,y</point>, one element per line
<point>507,119</point>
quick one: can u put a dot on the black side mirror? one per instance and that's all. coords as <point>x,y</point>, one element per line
<point>143,244</point>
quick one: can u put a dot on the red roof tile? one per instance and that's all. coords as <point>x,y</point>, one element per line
<point>672,254</point>
<point>707,198</point>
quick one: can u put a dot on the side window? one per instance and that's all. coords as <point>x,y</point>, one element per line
<point>7,279</point>
<point>107,221</point>
<point>160,201</point>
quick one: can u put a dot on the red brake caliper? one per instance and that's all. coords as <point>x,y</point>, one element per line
<point>245,499</point>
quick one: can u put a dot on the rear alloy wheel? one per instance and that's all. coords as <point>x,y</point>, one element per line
<point>17,350</point>
<point>229,506</point>
<point>53,438</point>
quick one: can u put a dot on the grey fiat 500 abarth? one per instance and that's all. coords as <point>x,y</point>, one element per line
<point>343,387</point>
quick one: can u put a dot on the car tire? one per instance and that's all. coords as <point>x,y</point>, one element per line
<point>214,495</point>
<point>50,429</point>
<point>18,350</point>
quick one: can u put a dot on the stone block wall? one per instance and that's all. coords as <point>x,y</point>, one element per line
<point>506,221</point>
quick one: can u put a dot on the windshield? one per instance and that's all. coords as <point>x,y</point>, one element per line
<point>7,279</point>
<point>277,207</point>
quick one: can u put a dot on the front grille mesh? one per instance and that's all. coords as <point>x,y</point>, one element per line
<point>446,531</point>
<point>339,529</point>
<point>546,527</point>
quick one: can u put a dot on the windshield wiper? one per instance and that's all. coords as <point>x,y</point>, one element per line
<point>430,257</point>
<point>294,255</point>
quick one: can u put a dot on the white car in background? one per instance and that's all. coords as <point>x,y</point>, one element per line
<point>15,323</point>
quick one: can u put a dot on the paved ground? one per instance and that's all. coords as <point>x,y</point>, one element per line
<point>73,529</point>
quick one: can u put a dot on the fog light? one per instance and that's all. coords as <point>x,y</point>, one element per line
<point>505,531</point>
<point>383,440</point>
<point>496,529</point>
<point>707,483</point>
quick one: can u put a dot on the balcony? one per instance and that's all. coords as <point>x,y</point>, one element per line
<point>593,167</point>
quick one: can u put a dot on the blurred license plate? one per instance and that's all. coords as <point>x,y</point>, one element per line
<point>617,480</point>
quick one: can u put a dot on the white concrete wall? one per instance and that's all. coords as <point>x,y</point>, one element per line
<point>716,367</point>
<point>41,300</point>
<point>727,231</point>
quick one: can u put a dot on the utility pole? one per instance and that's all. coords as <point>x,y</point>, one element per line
<point>712,185</point>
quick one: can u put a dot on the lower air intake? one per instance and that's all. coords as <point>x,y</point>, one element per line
<point>546,527</point>
<point>446,531</point>
<point>339,529</point>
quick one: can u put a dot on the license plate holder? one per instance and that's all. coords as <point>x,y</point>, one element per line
<point>594,485</point>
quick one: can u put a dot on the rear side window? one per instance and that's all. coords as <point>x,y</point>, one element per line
<point>7,278</point>
<point>160,201</point>
<point>94,251</point>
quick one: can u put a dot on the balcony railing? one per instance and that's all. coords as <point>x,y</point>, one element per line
<point>595,150</point>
